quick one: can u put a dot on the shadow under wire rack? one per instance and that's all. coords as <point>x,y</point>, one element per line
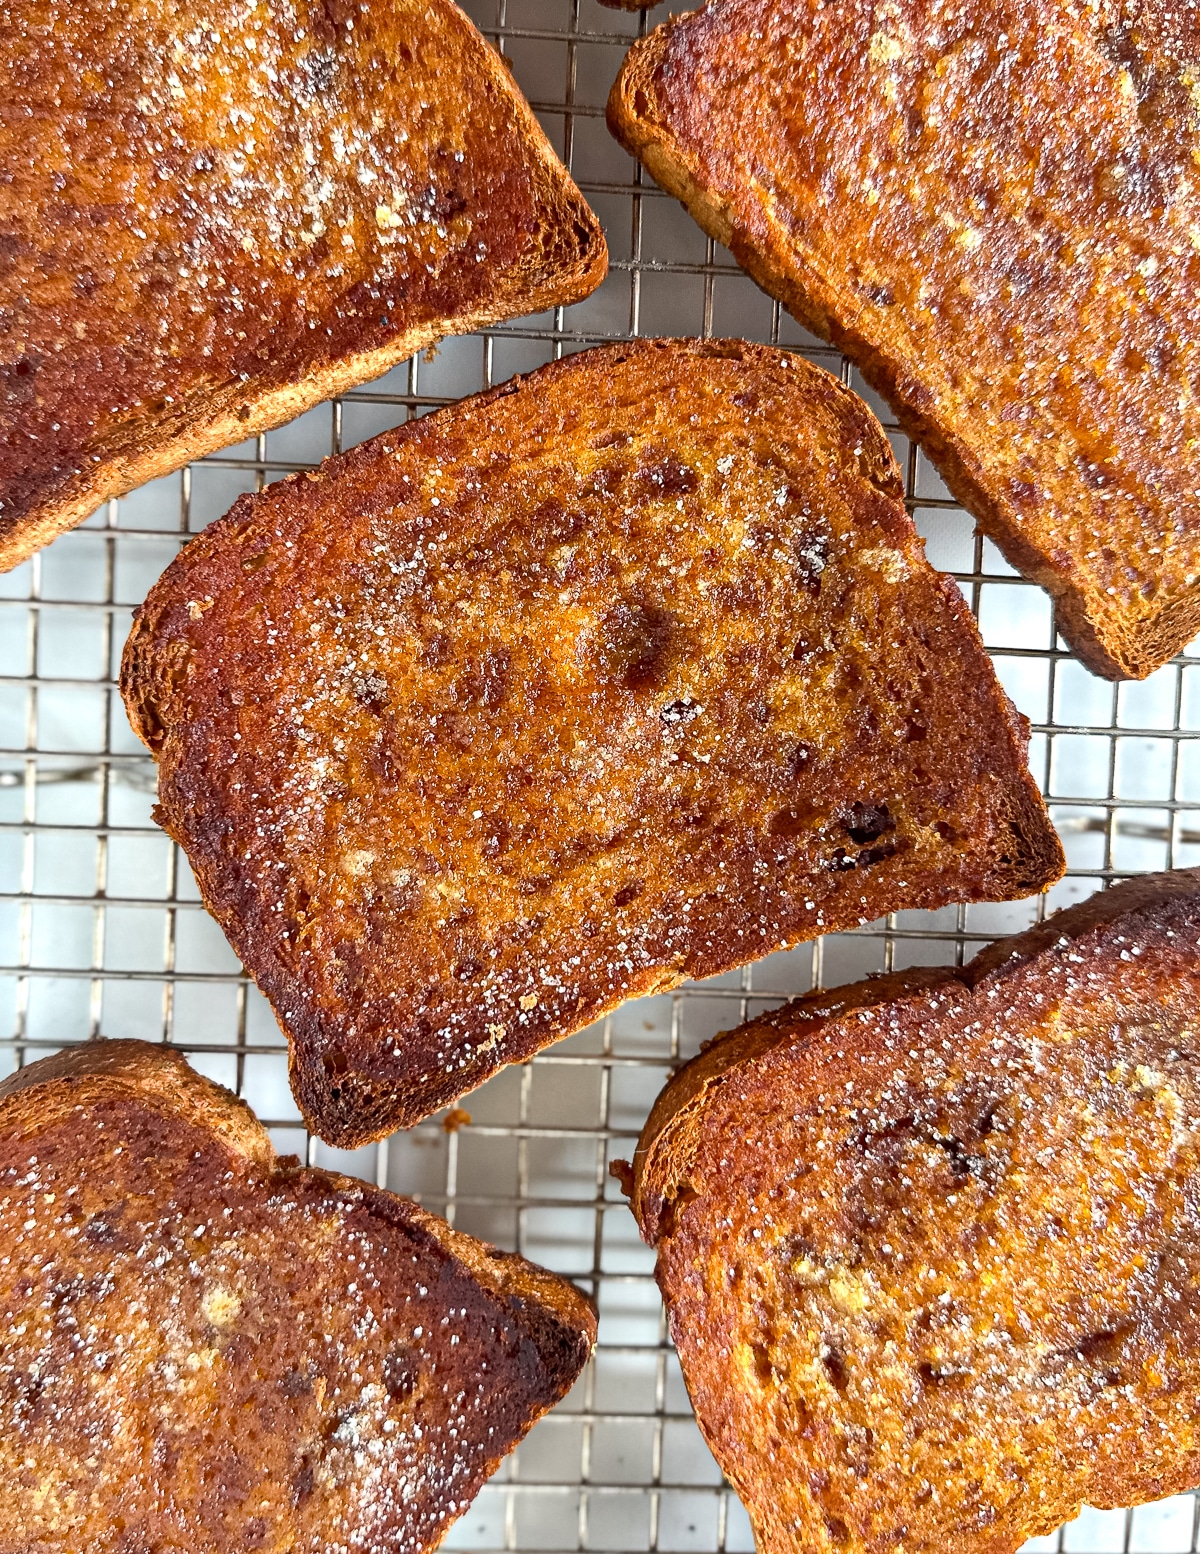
<point>102,932</point>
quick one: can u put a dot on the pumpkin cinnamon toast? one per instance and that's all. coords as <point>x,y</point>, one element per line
<point>929,1243</point>
<point>212,217</point>
<point>630,671</point>
<point>208,1349</point>
<point>994,211</point>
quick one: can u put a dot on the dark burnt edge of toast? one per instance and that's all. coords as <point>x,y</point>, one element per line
<point>551,1324</point>
<point>237,410</point>
<point>558,1319</point>
<point>1110,653</point>
<point>658,1174</point>
<point>356,1108</point>
<point>23,533</point>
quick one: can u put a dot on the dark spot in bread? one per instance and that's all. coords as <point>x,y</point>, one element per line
<point>1104,1350</point>
<point>371,692</point>
<point>811,550</point>
<point>680,711</point>
<point>662,474</point>
<point>613,439</point>
<point>552,522</point>
<point>635,644</point>
<point>438,650</point>
<point>834,1362</point>
<point>795,820</point>
<point>294,1384</point>
<point>870,855</point>
<point>320,69</point>
<point>27,1390</point>
<point>865,822</point>
<point>104,1229</point>
<point>608,480</point>
<point>449,204</point>
<point>302,1482</point>
<point>483,685</point>
<point>401,1372</point>
<point>1024,492</point>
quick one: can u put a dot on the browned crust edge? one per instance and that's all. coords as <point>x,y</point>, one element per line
<point>670,1137</point>
<point>160,1078</point>
<point>1094,636</point>
<point>157,1076</point>
<point>671,1133</point>
<point>511,1276</point>
<point>1128,899</point>
<point>271,406</point>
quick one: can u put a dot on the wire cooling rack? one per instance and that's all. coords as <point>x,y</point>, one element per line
<point>101,930</point>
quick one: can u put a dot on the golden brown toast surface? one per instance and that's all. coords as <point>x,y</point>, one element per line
<point>213,216</point>
<point>929,1243</point>
<point>205,1349</point>
<point>993,209</point>
<point>628,672</point>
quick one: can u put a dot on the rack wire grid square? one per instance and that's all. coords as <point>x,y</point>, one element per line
<point>102,932</point>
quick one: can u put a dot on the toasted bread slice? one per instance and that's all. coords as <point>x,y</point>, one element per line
<point>627,672</point>
<point>993,210</point>
<point>211,217</point>
<point>207,1349</point>
<point>929,1244</point>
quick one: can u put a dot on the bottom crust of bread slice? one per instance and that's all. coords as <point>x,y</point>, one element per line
<point>930,1244</point>
<point>204,1348</point>
<point>631,671</point>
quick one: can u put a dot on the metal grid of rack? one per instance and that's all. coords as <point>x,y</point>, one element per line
<point>101,930</point>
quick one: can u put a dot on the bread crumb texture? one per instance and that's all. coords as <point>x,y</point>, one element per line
<point>932,1263</point>
<point>629,672</point>
<point>199,1354</point>
<point>995,211</point>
